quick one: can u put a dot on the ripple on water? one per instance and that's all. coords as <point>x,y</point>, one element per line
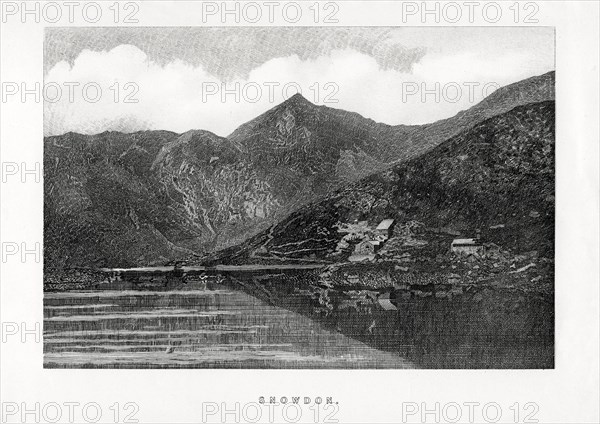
<point>200,328</point>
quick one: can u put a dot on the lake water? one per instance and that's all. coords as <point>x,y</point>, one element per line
<point>202,326</point>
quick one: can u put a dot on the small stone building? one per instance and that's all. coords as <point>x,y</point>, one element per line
<point>385,227</point>
<point>367,247</point>
<point>467,246</point>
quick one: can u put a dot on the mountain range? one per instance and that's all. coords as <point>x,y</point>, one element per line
<point>496,178</point>
<point>116,199</point>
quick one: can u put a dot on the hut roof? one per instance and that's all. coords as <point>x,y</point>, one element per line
<point>385,224</point>
<point>465,242</point>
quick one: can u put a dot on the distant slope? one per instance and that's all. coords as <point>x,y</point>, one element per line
<point>299,139</point>
<point>531,90</point>
<point>154,196</point>
<point>498,174</point>
<point>209,183</point>
<point>97,200</point>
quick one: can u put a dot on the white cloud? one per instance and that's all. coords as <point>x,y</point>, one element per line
<point>170,96</point>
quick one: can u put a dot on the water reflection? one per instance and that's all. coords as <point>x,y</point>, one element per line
<point>192,325</point>
<point>434,326</point>
<point>294,319</point>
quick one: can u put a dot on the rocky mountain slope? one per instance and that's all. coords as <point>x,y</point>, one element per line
<point>496,177</point>
<point>116,199</point>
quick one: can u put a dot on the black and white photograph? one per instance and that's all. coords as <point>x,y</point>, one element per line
<point>315,212</point>
<point>179,233</point>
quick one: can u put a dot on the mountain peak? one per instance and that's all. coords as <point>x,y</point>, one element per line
<point>297,99</point>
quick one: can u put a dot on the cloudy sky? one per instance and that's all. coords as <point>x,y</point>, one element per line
<point>218,78</point>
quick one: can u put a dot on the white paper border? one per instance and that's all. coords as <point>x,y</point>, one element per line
<point>567,394</point>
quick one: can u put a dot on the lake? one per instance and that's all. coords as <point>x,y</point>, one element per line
<point>248,317</point>
<point>199,326</point>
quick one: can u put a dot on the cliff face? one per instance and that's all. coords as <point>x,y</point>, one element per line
<point>116,199</point>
